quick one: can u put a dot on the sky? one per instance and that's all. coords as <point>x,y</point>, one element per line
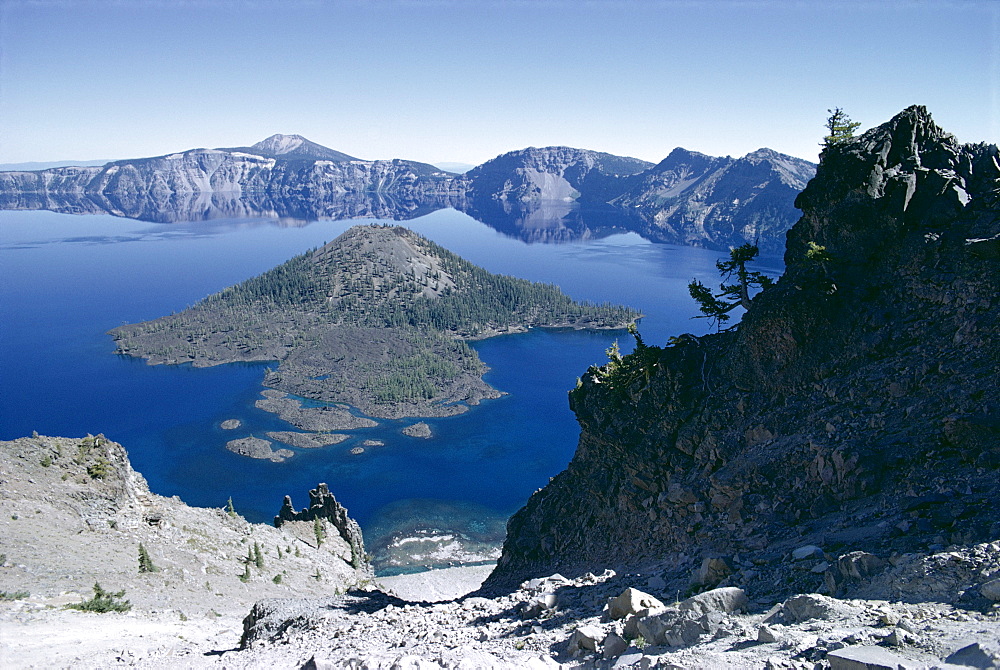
<point>466,80</point>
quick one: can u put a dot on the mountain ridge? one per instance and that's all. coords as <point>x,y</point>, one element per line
<point>726,202</point>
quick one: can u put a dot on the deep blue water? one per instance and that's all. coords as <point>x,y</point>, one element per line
<point>65,280</point>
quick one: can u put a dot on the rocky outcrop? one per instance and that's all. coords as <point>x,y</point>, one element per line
<point>855,407</point>
<point>324,506</point>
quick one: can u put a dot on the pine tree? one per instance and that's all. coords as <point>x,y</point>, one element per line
<point>318,531</point>
<point>839,127</point>
<point>145,562</point>
<point>717,306</point>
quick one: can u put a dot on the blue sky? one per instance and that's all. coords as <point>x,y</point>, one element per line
<point>463,81</point>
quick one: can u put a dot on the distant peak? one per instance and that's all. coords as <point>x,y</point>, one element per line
<point>280,144</point>
<point>296,146</point>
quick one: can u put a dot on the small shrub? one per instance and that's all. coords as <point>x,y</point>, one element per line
<point>103,601</point>
<point>99,469</point>
<point>277,578</point>
<point>245,577</point>
<point>13,595</point>
<point>46,461</point>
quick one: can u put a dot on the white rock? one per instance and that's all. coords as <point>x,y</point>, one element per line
<point>631,601</point>
<point>727,599</point>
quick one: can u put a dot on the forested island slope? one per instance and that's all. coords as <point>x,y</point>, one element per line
<point>855,409</point>
<point>377,319</point>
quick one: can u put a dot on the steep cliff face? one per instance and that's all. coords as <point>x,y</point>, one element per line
<point>855,407</point>
<point>280,167</point>
<point>693,199</point>
<point>549,173</point>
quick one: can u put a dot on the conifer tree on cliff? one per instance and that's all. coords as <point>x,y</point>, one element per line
<point>717,306</point>
<point>839,127</point>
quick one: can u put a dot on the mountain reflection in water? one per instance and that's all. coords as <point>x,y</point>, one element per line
<point>545,221</point>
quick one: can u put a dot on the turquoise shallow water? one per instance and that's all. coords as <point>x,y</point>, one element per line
<point>65,280</point>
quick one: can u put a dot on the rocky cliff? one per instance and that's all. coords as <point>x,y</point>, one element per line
<point>854,408</point>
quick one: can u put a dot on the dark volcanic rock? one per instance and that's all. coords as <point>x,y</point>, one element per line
<point>323,505</point>
<point>855,407</point>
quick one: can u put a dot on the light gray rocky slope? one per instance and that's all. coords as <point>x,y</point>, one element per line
<point>73,512</point>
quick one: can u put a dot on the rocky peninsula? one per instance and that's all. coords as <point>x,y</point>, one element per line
<point>378,319</point>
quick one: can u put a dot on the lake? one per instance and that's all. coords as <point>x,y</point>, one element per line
<point>66,280</point>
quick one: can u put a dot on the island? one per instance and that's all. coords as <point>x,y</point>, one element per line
<point>377,320</point>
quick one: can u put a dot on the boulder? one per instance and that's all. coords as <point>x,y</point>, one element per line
<point>728,599</point>
<point>585,638</point>
<point>867,658</point>
<point>614,645</point>
<point>990,590</point>
<point>976,656</point>
<point>631,601</point>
